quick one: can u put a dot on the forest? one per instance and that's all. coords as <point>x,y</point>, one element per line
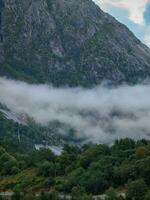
<point>109,172</point>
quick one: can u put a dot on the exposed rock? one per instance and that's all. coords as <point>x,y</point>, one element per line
<point>68,43</point>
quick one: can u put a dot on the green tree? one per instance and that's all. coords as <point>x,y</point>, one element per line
<point>17,196</point>
<point>1,198</point>
<point>147,196</point>
<point>78,193</point>
<point>141,152</point>
<point>124,144</point>
<point>47,169</point>
<point>111,194</point>
<point>136,190</point>
<point>49,196</point>
<point>8,164</point>
<point>46,154</point>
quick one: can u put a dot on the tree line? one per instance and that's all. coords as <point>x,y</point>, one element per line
<point>80,172</point>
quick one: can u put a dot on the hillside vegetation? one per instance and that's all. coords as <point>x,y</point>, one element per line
<point>79,171</point>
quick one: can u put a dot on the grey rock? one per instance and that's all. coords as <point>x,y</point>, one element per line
<point>68,43</point>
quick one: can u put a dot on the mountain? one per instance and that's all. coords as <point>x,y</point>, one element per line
<point>63,42</point>
<point>21,133</point>
<point>68,42</point>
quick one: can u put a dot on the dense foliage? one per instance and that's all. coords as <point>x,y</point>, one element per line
<point>15,135</point>
<point>123,168</point>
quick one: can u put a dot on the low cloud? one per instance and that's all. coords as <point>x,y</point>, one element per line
<point>100,114</point>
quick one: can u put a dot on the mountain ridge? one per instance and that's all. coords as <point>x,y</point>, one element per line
<point>65,43</point>
<point>68,43</point>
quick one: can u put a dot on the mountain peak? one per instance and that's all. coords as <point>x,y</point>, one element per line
<point>68,43</point>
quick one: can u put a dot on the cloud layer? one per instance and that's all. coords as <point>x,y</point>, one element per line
<point>100,114</point>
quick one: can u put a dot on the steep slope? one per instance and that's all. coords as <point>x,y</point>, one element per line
<point>20,132</point>
<point>68,43</point>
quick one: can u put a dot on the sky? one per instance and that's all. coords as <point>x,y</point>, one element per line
<point>133,13</point>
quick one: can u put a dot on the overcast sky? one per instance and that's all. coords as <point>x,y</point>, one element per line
<point>134,13</point>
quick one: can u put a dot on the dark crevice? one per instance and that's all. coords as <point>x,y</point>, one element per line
<point>1,9</point>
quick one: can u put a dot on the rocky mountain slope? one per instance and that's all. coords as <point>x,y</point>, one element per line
<point>63,42</point>
<point>16,132</point>
<point>68,42</point>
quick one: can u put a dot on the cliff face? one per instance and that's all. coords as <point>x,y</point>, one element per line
<point>68,42</point>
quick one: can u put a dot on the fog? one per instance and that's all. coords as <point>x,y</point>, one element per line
<point>100,114</point>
